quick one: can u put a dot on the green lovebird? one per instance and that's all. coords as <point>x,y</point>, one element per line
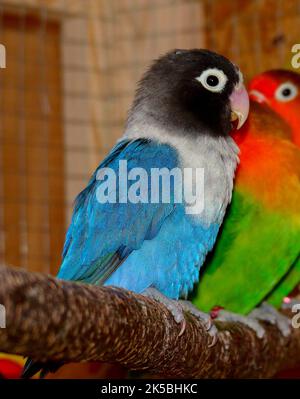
<point>280,91</point>
<point>260,239</point>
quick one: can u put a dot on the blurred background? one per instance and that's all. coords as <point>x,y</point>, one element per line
<point>71,71</point>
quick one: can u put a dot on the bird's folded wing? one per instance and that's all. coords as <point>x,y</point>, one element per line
<point>102,235</point>
<point>254,251</point>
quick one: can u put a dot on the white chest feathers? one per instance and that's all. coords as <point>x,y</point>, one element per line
<point>217,158</point>
<point>205,160</point>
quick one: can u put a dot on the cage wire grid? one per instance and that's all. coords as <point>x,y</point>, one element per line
<point>72,67</point>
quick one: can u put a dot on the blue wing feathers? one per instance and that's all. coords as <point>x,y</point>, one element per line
<point>135,245</point>
<point>99,229</point>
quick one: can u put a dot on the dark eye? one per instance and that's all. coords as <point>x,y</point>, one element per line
<point>286,92</point>
<point>213,79</point>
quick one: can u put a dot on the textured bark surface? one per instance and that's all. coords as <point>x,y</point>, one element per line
<point>49,319</point>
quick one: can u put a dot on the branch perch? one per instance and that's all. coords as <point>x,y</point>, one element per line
<point>50,319</point>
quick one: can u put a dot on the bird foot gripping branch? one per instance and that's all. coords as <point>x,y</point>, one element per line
<point>269,314</point>
<point>251,322</point>
<point>177,309</point>
<point>264,313</point>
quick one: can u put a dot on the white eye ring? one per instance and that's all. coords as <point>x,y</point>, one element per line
<point>213,72</point>
<point>286,92</point>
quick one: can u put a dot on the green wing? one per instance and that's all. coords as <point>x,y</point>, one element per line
<point>285,286</point>
<point>254,251</point>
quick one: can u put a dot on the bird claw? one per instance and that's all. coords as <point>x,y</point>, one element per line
<point>204,317</point>
<point>249,321</point>
<point>269,314</point>
<point>213,341</point>
<point>172,305</point>
<point>183,326</point>
<point>177,309</point>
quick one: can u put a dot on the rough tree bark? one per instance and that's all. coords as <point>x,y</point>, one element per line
<point>49,319</point>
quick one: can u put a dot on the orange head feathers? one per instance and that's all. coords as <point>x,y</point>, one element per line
<point>280,90</point>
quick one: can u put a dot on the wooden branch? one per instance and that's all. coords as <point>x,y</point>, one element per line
<point>50,319</point>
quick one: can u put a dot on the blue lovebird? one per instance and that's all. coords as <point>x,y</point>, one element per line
<point>181,119</point>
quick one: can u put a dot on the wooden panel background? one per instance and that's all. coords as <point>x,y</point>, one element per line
<point>256,34</point>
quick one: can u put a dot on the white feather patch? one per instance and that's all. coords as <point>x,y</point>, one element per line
<point>218,156</point>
